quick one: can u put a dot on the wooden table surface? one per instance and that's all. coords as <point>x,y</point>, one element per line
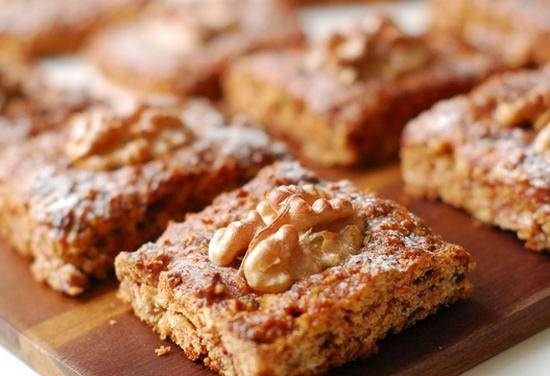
<point>96,334</point>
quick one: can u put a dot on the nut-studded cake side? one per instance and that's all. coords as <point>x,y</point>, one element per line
<point>345,100</point>
<point>488,153</point>
<point>109,182</point>
<point>291,275</point>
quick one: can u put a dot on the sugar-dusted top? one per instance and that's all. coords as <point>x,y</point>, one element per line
<point>392,240</point>
<point>502,128</point>
<point>83,177</point>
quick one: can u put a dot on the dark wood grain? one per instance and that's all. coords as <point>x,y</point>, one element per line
<point>96,335</point>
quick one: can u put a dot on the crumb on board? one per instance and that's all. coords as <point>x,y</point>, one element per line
<point>163,350</point>
<point>477,223</point>
<point>112,322</point>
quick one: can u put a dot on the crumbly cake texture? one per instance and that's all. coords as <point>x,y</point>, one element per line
<point>28,106</point>
<point>345,100</point>
<point>489,154</point>
<point>73,199</point>
<point>182,48</point>
<point>31,28</point>
<point>516,31</point>
<point>402,273</point>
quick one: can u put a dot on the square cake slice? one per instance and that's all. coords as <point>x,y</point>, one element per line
<point>517,31</point>
<point>113,178</point>
<point>489,154</point>
<point>183,47</point>
<point>291,275</point>
<point>345,99</point>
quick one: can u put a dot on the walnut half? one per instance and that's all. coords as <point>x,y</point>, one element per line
<point>103,140</point>
<point>373,48</point>
<point>293,233</point>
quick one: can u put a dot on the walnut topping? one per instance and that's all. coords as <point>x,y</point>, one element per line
<point>532,108</point>
<point>103,140</point>
<point>294,232</point>
<point>376,47</point>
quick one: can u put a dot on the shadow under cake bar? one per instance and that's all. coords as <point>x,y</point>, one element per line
<point>74,198</point>
<point>182,48</point>
<point>345,100</point>
<point>30,28</point>
<point>291,275</point>
<point>489,154</point>
<point>516,31</point>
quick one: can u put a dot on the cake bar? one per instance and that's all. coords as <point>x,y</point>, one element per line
<point>345,99</point>
<point>112,179</point>
<point>183,47</point>
<point>34,28</point>
<point>489,154</point>
<point>291,275</point>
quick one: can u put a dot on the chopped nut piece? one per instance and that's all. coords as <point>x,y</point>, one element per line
<point>112,322</point>
<point>163,350</point>
<point>533,107</point>
<point>295,232</point>
<point>376,47</point>
<point>542,141</point>
<point>103,140</point>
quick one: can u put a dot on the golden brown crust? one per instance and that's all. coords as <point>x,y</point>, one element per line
<point>36,27</point>
<point>74,218</point>
<point>351,110</point>
<point>488,153</point>
<point>400,274</point>
<point>517,31</point>
<point>184,48</point>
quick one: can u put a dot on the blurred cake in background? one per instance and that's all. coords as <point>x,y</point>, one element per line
<point>33,28</point>
<point>182,47</point>
<point>517,31</point>
<point>345,99</point>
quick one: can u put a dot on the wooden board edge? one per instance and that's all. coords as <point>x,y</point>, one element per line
<point>32,353</point>
<point>495,339</point>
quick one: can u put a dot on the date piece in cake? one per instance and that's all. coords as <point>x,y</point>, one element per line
<point>291,275</point>
<point>110,181</point>
<point>183,47</point>
<point>30,28</point>
<point>517,31</point>
<point>345,100</point>
<point>489,154</point>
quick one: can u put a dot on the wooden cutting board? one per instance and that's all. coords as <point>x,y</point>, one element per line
<point>96,334</point>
